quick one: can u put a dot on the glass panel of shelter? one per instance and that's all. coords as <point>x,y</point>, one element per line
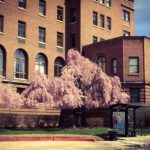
<point>130,122</point>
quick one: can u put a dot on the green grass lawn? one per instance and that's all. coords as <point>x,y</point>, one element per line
<point>49,132</point>
<point>144,131</point>
<point>56,131</point>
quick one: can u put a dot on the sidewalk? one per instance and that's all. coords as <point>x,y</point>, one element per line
<point>122,143</point>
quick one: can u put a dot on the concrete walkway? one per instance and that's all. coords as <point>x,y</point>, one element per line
<point>122,143</point>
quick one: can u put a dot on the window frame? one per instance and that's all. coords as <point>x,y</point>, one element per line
<point>42,7</point>
<point>1,24</point>
<point>3,61</point>
<point>136,94</point>
<point>2,1</point>
<point>109,23</point>
<point>126,15</point>
<point>39,63</point>
<point>95,1</point>
<point>60,39</point>
<point>136,65</point>
<point>21,26</point>
<point>95,18</point>
<point>102,21</point>
<point>60,12</point>
<point>100,60</point>
<point>42,39</point>
<point>126,33</point>
<point>95,39</point>
<point>59,63</point>
<point>22,4</point>
<point>21,61</point>
<point>108,3</point>
<point>114,66</point>
<point>102,2</point>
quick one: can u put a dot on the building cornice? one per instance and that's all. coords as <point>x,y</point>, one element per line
<point>19,82</point>
<point>127,7</point>
<point>135,82</point>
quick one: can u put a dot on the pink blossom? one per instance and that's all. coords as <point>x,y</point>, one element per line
<point>9,97</point>
<point>82,83</point>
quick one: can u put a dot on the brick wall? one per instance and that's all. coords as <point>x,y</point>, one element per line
<point>115,12</point>
<point>92,118</point>
<point>133,47</point>
<point>9,39</point>
<point>29,118</point>
<point>110,49</point>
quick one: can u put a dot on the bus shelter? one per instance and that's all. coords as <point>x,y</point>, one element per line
<point>123,118</point>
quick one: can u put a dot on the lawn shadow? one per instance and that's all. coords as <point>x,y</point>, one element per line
<point>104,137</point>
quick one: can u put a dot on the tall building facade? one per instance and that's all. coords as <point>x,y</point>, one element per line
<point>31,39</point>
<point>35,35</point>
<point>89,21</point>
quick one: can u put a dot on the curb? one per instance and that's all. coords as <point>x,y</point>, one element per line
<point>47,139</point>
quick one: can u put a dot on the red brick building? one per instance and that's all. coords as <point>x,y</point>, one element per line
<point>89,21</point>
<point>35,35</point>
<point>127,57</point>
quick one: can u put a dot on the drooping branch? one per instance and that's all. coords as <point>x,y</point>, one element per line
<point>82,83</point>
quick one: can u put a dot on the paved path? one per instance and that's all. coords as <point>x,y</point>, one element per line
<point>122,143</point>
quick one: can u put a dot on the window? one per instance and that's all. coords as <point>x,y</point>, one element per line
<point>102,21</point>
<point>135,95</point>
<point>60,39</point>
<point>108,3</point>
<point>21,29</point>
<point>94,39</point>
<point>114,66</point>
<point>133,65</point>
<point>2,61</point>
<point>42,35</point>
<point>108,23</point>
<point>73,40</point>
<point>1,23</point>
<point>126,33</point>
<point>20,90</point>
<point>101,62</point>
<point>58,65</point>
<point>59,13</point>
<point>94,18</point>
<point>126,15</point>
<point>22,4</point>
<point>42,7</point>
<point>41,63</point>
<point>72,15</point>
<point>20,64</point>
<point>102,2</point>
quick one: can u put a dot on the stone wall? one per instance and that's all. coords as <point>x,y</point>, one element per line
<point>41,118</point>
<point>29,118</point>
<point>91,118</point>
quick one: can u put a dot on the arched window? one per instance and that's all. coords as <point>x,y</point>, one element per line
<point>114,66</point>
<point>20,64</point>
<point>2,61</point>
<point>59,64</point>
<point>41,63</point>
<point>101,61</point>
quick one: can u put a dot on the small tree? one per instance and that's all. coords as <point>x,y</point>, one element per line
<point>38,92</point>
<point>9,98</point>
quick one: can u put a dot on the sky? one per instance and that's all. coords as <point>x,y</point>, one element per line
<point>142,17</point>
